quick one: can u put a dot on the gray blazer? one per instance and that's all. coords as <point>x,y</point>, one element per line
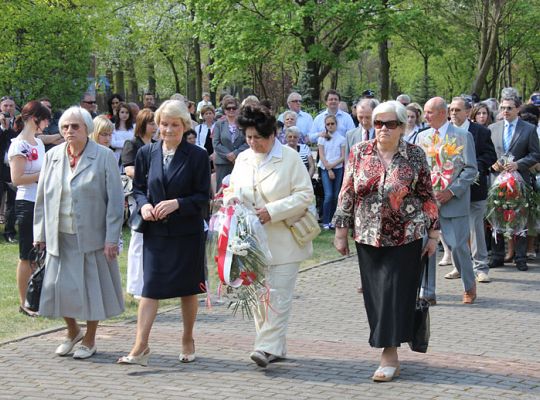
<point>97,198</point>
<point>223,145</point>
<point>355,136</point>
<point>459,205</point>
<point>524,146</point>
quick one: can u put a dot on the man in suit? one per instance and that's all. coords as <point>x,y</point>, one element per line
<point>515,137</point>
<point>303,119</point>
<point>365,131</point>
<point>454,201</point>
<point>7,132</point>
<point>485,157</point>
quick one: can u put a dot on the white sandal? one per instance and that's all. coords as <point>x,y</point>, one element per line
<point>388,373</point>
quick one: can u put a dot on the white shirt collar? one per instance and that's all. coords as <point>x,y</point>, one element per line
<point>465,125</point>
<point>276,151</point>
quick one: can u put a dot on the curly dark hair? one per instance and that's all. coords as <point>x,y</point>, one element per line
<point>258,117</point>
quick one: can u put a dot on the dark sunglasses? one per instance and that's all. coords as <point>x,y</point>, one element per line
<point>4,98</point>
<point>89,102</point>
<point>393,124</point>
<point>75,127</point>
<point>231,108</point>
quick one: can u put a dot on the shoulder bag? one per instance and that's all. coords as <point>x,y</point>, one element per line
<point>421,330</point>
<point>35,283</point>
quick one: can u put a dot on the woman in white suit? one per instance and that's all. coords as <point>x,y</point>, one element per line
<point>273,180</point>
<point>78,217</point>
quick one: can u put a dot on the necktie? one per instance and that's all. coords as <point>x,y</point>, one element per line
<point>366,135</point>
<point>507,137</point>
<point>167,161</point>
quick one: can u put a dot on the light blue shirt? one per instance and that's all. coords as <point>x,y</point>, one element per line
<point>344,124</point>
<point>303,121</point>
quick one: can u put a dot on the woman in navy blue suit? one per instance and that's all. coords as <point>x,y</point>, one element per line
<point>172,189</point>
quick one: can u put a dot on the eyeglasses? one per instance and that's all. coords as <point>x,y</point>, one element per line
<point>506,108</point>
<point>231,108</point>
<point>295,101</point>
<point>75,127</point>
<point>4,98</point>
<point>393,124</point>
<point>92,102</point>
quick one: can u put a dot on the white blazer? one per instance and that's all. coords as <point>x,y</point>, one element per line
<point>286,185</point>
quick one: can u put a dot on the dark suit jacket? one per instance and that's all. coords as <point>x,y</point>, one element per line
<point>524,145</point>
<point>187,180</point>
<point>485,158</point>
<point>5,142</point>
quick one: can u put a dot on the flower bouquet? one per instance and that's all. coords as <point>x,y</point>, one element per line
<point>237,244</point>
<point>508,205</point>
<point>443,158</point>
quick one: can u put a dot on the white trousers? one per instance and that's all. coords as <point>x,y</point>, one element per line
<point>135,282</point>
<point>271,320</point>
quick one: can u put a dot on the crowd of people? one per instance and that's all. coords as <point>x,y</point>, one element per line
<point>369,173</point>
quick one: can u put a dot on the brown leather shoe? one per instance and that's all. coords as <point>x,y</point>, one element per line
<point>469,296</point>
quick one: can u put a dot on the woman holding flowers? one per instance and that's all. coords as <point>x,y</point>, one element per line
<point>388,201</point>
<point>272,179</point>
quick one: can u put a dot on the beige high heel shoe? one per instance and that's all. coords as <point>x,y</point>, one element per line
<point>187,358</point>
<point>141,359</point>
<point>388,374</point>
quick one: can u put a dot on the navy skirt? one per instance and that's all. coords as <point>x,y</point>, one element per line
<point>173,266</point>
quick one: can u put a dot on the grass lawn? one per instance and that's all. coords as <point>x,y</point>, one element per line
<point>14,325</point>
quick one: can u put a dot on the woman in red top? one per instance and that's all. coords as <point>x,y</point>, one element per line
<point>387,199</point>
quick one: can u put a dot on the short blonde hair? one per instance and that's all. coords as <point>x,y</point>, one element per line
<point>174,109</point>
<point>102,124</point>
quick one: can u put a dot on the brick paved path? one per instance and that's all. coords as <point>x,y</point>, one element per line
<point>489,350</point>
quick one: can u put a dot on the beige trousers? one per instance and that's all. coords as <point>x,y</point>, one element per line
<point>272,317</point>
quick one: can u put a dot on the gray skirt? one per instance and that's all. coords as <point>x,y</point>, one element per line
<point>78,285</point>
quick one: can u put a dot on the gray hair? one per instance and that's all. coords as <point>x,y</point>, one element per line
<point>79,113</point>
<point>391,106</point>
<point>371,103</point>
<point>466,101</point>
<point>405,97</point>
<point>294,130</point>
<point>292,95</point>
<point>511,94</point>
<point>174,109</point>
<point>287,113</point>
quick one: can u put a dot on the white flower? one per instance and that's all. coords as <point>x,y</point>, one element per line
<point>409,209</point>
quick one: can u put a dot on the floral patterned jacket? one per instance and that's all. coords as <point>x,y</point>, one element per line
<point>389,207</point>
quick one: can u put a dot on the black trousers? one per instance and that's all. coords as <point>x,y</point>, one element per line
<point>6,190</point>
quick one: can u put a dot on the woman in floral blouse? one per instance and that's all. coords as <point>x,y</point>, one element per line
<point>387,199</point>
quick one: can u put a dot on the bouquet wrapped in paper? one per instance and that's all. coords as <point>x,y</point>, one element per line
<point>508,204</point>
<point>237,246</point>
<point>444,158</point>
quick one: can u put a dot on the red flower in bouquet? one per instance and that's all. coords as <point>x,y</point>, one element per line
<point>509,215</point>
<point>248,277</point>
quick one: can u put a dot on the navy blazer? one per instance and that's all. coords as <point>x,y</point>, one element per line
<point>187,180</point>
<point>485,158</point>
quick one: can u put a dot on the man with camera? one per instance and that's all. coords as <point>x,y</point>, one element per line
<point>7,132</point>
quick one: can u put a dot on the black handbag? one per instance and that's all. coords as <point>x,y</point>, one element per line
<point>35,283</point>
<point>136,221</point>
<point>421,331</point>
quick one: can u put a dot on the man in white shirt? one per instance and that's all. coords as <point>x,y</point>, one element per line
<point>303,119</point>
<point>345,122</point>
<point>204,102</point>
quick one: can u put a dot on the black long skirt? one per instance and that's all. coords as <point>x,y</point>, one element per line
<point>390,279</point>
<point>173,266</point>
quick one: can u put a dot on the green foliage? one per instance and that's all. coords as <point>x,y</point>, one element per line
<point>45,51</point>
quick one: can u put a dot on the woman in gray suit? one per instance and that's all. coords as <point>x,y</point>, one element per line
<point>78,217</point>
<point>228,141</point>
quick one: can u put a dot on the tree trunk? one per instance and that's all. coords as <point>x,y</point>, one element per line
<point>385,70</point>
<point>133,87</point>
<point>170,61</point>
<point>110,78</point>
<point>151,78</point>
<point>119,81</point>
<point>212,86</point>
<point>489,36</point>
<point>198,69</point>
<point>425,88</point>
<point>334,80</point>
